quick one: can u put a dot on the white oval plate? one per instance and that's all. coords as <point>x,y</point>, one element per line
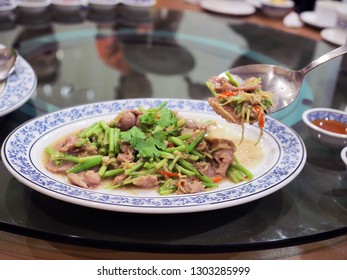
<point>237,8</point>
<point>311,18</point>
<point>284,158</point>
<point>18,87</point>
<point>335,36</point>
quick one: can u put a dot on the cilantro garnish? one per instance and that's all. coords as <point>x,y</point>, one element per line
<point>155,126</point>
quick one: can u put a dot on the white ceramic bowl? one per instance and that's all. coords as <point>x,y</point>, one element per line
<point>276,9</point>
<point>69,5</point>
<point>328,138</point>
<point>6,7</point>
<point>103,5</point>
<point>35,6</point>
<point>344,155</point>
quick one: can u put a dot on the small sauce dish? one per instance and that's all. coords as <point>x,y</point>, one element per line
<point>327,126</point>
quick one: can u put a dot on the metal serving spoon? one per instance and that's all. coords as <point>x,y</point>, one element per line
<point>8,58</point>
<point>284,83</point>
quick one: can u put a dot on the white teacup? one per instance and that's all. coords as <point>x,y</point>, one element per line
<point>342,16</point>
<point>326,12</point>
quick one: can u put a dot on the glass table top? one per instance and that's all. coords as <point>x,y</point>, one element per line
<point>89,57</point>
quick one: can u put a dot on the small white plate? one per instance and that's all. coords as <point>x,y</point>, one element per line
<point>103,5</point>
<point>7,6</point>
<point>33,6</point>
<point>139,3</point>
<point>335,36</point>
<point>237,8</point>
<point>311,18</point>
<point>283,157</point>
<point>18,87</point>
<point>69,5</point>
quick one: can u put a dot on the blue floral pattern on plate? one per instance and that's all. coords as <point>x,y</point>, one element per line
<point>18,88</point>
<point>17,157</point>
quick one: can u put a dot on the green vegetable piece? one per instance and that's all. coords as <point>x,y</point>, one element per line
<point>167,188</point>
<point>86,164</point>
<point>196,141</point>
<point>231,79</point>
<point>113,172</point>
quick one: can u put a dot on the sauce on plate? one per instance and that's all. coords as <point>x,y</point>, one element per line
<point>331,125</point>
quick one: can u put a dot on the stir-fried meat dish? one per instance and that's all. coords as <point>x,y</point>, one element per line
<point>152,148</point>
<point>239,103</point>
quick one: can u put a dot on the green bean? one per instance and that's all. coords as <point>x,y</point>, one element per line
<point>116,140</point>
<point>102,169</point>
<point>172,149</point>
<point>135,167</point>
<point>210,86</point>
<point>113,172</point>
<point>125,182</point>
<point>166,155</point>
<point>196,141</point>
<point>88,129</point>
<point>81,142</point>
<point>231,175</point>
<point>177,141</point>
<point>172,164</point>
<point>210,185</point>
<point>103,124</point>
<point>231,79</point>
<point>184,136</point>
<point>86,164</point>
<point>184,171</point>
<point>62,156</point>
<point>50,151</point>
<point>187,165</point>
<point>111,141</point>
<point>160,164</point>
<point>245,171</point>
<point>198,174</point>
<point>166,188</point>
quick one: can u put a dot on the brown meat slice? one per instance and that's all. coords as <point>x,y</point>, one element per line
<point>225,111</point>
<point>147,181</point>
<point>186,187</point>
<point>87,179</point>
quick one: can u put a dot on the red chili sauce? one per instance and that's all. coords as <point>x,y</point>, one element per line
<point>331,125</point>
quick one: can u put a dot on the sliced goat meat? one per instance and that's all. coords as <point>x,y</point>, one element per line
<point>87,179</point>
<point>119,179</point>
<point>223,159</point>
<point>186,187</point>
<point>222,151</point>
<point>222,84</point>
<point>216,144</point>
<point>127,153</point>
<point>225,111</point>
<point>63,167</point>
<point>69,145</point>
<point>205,168</point>
<point>147,181</point>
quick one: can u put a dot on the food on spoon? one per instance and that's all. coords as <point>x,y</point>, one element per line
<point>240,103</point>
<point>153,148</point>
